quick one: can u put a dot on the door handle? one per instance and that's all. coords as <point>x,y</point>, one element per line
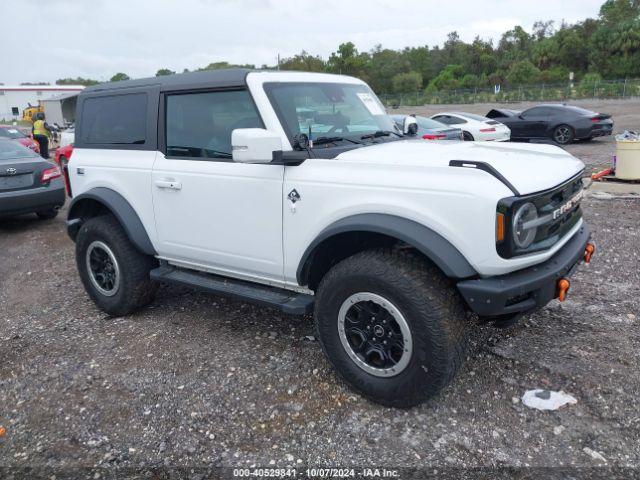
<point>170,184</point>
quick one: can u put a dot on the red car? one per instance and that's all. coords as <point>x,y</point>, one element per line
<point>8,131</point>
<point>63,154</point>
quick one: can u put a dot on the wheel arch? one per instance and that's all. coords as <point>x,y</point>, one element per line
<point>352,234</point>
<point>100,201</point>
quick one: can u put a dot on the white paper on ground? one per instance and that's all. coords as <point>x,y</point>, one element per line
<point>547,399</point>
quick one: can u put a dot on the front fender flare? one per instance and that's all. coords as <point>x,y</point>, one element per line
<point>119,207</point>
<point>431,244</point>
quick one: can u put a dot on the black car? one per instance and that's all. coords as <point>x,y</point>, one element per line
<point>28,183</point>
<point>560,123</point>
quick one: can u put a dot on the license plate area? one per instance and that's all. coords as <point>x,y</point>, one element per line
<point>16,181</point>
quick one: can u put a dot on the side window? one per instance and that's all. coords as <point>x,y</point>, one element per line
<point>536,112</point>
<point>441,119</point>
<point>115,119</point>
<point>200,124</point>
<point>456,121</point>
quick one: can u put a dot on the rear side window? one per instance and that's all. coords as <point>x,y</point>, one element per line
<point>537,112</point>
<point>199,125</point>
<point>449,120</point>
<point>115,120</point>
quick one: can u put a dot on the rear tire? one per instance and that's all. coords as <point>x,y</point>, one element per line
<point>114,273</point>
<point>399,292</point>
<point>467,137</point>
<point>563,134</point>
<point>47,214</point>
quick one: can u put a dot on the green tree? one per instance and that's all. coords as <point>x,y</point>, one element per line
<point>347,61</point>
<point>382,67</point>
<point>447,78</point>
<point>420,60</point>
<point>303,62</point>
<point>222,65</point>
<point>164,71</point>
<point>523,72</point>
<point>407,82</point>
<point>118,77</point>
<point>558,74</point>
<point>515,45</point>
<point>76,81</point>
<point>470,80</point>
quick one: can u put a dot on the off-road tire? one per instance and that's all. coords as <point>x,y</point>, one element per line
<point>428,301</point>
<point>136,289</point>
<point>47,214</point>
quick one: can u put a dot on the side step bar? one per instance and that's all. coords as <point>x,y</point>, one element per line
<point>289,302</point>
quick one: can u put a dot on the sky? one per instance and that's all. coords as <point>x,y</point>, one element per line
<point>51,39</point>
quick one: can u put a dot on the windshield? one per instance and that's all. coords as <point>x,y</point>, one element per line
<point>345,111</point>
<point>11,150</point>
<point>11,133</point>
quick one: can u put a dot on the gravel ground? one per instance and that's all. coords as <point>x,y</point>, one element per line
<point>196,380</point>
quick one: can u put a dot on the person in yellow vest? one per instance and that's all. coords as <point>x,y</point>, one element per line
<point>41,133</point>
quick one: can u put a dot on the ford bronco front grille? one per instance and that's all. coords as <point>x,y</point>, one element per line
<point>558,210</point>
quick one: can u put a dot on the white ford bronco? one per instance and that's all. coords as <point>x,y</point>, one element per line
<point>297,191</point>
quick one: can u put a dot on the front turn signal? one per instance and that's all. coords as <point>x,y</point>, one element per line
<point>499,227</point>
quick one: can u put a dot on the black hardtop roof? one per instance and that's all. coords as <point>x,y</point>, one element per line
<point>228,77</point>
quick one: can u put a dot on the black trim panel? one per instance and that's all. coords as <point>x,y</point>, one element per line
<point>287,301</point>
<point>528,289</point>
<point>485,167</point>
<point>120,208</point>
<point>447,257</point>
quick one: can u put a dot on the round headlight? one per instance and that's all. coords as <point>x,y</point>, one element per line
<point>523,236</point>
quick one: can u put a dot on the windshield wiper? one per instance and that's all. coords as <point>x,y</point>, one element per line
<point>379,133</point>
<point>325,140</point>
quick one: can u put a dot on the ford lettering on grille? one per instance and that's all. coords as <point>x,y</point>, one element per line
<point>557,213</point>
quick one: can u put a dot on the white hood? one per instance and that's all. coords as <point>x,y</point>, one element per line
<point>528,167</point>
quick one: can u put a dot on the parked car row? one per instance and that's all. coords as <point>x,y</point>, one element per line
<point>559,123</point>
<point>13,133</point>
<point>28,182</point>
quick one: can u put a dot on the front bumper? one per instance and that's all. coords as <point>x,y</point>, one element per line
<point>528,289</point>
<point>32,200</point>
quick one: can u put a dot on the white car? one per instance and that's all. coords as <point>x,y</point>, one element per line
<point>475,127</point>
<point>67,137</point>
<point>296,191</point>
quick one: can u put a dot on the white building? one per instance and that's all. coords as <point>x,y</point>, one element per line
<point>15,98</point>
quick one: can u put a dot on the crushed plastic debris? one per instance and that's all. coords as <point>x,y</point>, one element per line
<point>593,454</point>
<point>628,135</point>
<point>547,399</point>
